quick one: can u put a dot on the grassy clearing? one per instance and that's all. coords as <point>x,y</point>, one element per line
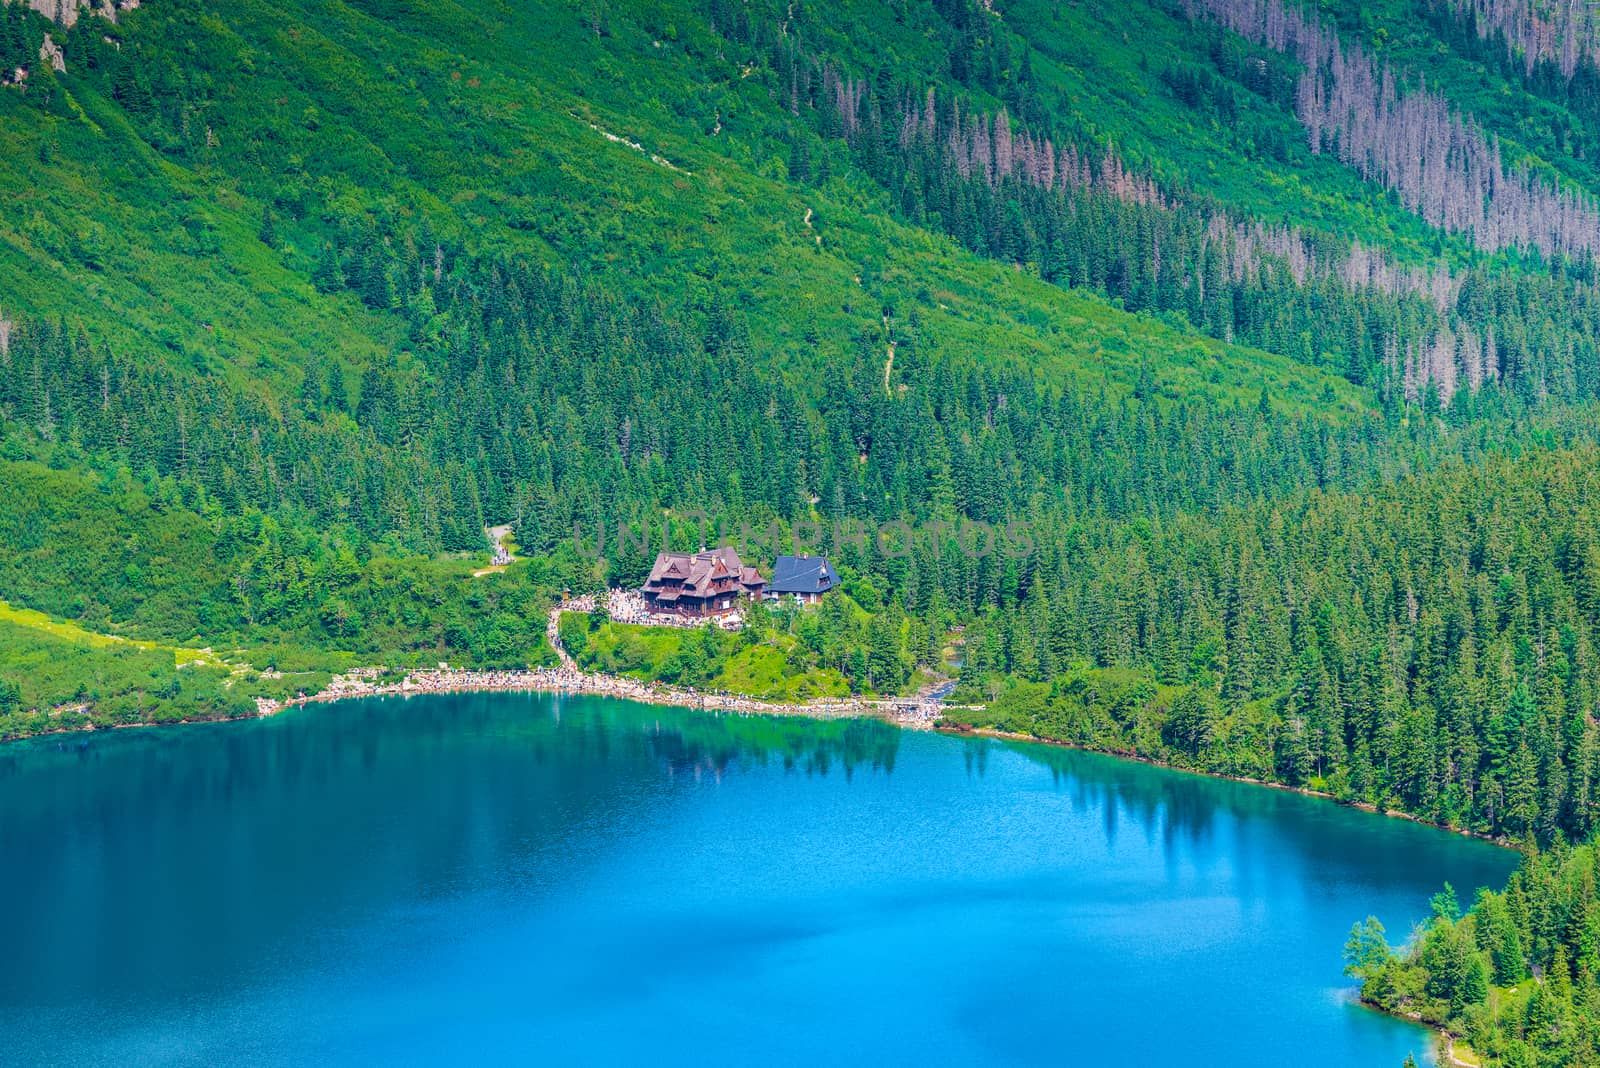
<point>706,658</point>
<point>71,632</point>
<point>65,675</point>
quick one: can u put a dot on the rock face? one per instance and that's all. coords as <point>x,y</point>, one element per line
<point>66,12</point>
<point>63,11</point>
<point>51,53</point>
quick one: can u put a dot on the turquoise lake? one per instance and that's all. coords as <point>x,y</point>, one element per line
<point>527,879</point>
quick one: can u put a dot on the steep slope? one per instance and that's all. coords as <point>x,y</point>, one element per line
<point>393,124</point>
<point>1279,185</point>
<point>286,343</point>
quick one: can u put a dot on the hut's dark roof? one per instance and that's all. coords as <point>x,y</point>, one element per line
<point>802,574</point>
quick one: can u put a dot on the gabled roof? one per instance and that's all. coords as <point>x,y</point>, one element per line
<point>802,574</point>
<point>700,574</point>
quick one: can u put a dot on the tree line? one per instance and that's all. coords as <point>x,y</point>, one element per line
<point>1429,645</point>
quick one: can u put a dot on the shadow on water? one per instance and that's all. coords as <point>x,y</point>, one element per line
<point>312,744</point>
<point>591,868</point>
<point>814,747</point>
<point>215,841</point>
<point>1192,815</point>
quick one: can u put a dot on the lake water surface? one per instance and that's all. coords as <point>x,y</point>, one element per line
<point>530,879</point>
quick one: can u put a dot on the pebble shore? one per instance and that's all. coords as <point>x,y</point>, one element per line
<point>921,714</point>
<point>364,683</point>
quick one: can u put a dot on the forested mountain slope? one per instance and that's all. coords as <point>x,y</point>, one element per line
<point>1229,302</point>
<point>1276,327</point>
<point>424,136</point>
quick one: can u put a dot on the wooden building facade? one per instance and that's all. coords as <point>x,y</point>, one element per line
<point>700,584</point>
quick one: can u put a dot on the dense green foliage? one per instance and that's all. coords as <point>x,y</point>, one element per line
<point>1445,665</point>
<point>49,682</point>
<point>778,655</point>
<point>411,277</point>
<point>1047,193</point>
<point>114,553</point>
<point>296,298</point>
<point>1518,975</point>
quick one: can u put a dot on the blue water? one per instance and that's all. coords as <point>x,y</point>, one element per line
<point>526,879</point>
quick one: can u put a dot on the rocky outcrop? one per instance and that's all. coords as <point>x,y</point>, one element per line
<point>51,53</point>
<point>67,12</point>
<point>64,13</point>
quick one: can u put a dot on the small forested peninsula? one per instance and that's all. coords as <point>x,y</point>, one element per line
<point>1270,332</point>
<point>1514,976</point>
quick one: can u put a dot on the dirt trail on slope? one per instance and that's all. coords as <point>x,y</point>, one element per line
<point>888,364</point>
<point>503,557</point>
<point>658,160</point>
<point>552,633</point>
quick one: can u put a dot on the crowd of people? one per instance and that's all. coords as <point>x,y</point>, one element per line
<point>628,606</point>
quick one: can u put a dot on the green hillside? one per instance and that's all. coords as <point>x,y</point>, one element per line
<point>430,267</point>
<point>425,129</point>
<point>1275,328</point>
